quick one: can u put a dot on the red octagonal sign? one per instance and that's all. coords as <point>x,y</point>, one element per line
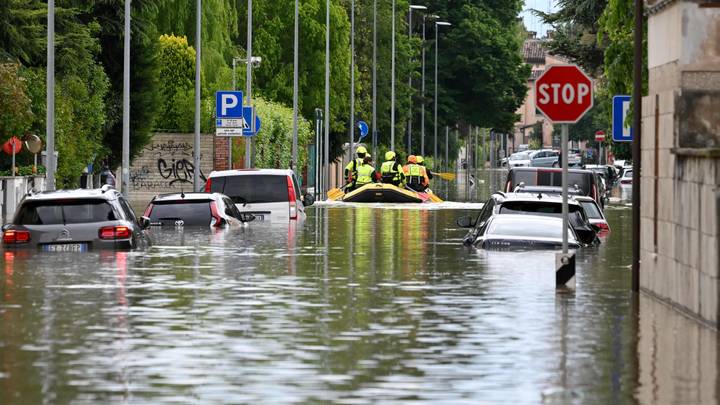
<point>564,93</point>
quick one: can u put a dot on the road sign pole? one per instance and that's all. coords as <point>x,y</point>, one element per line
<point>248,84</point>
<point>326,144</point>
<point>565,211</point>
<point>50,113</point>
<point>296,50</point>
<point>125,175</point>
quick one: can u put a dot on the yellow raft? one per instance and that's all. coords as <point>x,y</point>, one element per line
<point>382,193</point>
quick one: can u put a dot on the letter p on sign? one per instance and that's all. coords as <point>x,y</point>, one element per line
<point>563,93</point>
<point>228,104</point>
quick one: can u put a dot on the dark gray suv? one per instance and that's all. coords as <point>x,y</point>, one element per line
<point>76,221</point>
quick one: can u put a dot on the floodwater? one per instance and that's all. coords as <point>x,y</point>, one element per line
<point>358,304</point>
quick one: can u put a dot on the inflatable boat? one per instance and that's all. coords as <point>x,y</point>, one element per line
<point>384,193</point>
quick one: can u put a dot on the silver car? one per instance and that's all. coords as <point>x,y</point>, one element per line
<point>76,221</point>
<point>544,158</point>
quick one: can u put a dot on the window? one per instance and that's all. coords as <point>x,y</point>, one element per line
<point>529,229</point>
<point>75,211</point>
<point>192,212</point>
<point>129,213</point>
<point>591,209</point>
<point>256,188</point>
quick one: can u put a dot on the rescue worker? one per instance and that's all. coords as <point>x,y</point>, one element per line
<point>391,172</point>
<point>351,168</point>
<point>415,175</point>
<point>421,162</point>
<point>365,173</point>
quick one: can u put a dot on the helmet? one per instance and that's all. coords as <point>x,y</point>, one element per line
<point>361,149</point>
<point>419,159</point>
<point>412,159</point>
<point>390,155</point>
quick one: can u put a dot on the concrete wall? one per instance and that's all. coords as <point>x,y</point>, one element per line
<point>166,165</point>
<point>680,174</point>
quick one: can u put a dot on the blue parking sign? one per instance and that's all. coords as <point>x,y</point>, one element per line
<point>621,107</point>
<point>229,104</point>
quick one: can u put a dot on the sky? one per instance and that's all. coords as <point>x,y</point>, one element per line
<point>531,21</point>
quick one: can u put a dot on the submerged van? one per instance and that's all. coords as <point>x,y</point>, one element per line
<point>267,194</point>
<point>584,182</point>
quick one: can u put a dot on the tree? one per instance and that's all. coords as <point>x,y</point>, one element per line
<point>16,115</point>
<point>176,84</point>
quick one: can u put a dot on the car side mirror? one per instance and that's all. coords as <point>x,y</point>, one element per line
<point>465,222</point>
<point>308,200</point>
<point>144,222</point>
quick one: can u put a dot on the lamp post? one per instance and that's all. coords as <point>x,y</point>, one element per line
<point>326,146</point>
<point>125,176</point>
<point>392,81</point>
<point>374,82</point>
<point>295,91</point>
<point>352,81</point>
<point>437,24</point>
<point>249,63</point>
<point>248,87</point>
<point>50,113</point>
<point>422,91</point>
<point>198,48</point>
<point>409,126</point>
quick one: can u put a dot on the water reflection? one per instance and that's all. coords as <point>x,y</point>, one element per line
<point>356,305</point>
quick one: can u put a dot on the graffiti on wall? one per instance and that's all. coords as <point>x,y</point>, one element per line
<point>165,165</point>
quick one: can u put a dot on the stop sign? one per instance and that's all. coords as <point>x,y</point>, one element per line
<point>563,93</point>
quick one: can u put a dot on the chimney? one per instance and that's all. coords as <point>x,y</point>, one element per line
<point>532,34</point>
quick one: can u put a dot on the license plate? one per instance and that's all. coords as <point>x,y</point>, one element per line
<point>65,247</point>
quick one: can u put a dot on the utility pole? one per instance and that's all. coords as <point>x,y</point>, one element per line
<point>296,49</point>
<point>392,82</point>
<point>50,99</point>
<point>437,40</point>
<point>422,91</point>
<point>326,144</point>
<point>409,125</point>
<point>125,177</point>
<point>352,80</point>
<point>248,85</point>
<point>374,82</point>
<point>198,48</point>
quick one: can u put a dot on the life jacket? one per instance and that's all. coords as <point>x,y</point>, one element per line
<point>414,174</point>
<point>351,169</point>
<point>390,172</point>
<point>364,174</point>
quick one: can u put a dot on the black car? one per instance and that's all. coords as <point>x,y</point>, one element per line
<point>195,209</point>
<point>76,221</point>
<point>584,181</point>
<point>530,204</point>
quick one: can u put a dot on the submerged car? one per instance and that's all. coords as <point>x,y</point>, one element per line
<point>267,194</point>
<point>530,204</point>
<point>586,181</point>
<point>519,159</point>
<point>594,213</point>
<point>524,232</point>
<point>195,209</point>
<point>76,221</point>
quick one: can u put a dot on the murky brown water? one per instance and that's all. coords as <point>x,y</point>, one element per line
<point>356,305</point>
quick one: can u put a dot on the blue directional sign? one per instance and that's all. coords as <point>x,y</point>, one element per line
<point>364,129</point>
<point>247,118</point>
<point>621,107</point>
<point>229,104</point>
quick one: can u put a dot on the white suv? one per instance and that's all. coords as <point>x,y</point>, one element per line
<point>268,194</point>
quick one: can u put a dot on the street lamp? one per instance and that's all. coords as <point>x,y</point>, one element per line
<point>352,80</point>
<point>437,24</point>
<point>295,90</point>
<point>392,81</point>
<point>50,96</point>
<point>422,105</point>
<point>374,81</point>
<point>410,10</point>
<point>198,49</point>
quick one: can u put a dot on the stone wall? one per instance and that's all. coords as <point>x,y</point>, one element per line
<point>165,165</point>
<point>680,176</point>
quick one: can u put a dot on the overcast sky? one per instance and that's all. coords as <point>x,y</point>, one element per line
<point>533,23</point>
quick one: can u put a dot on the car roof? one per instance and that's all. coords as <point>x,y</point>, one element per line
<point>532,197</point>
<point>105,193</point>
<point>187,197</point>
<point>251,172</point>
<point>584,198</point>
<point>528,218</point>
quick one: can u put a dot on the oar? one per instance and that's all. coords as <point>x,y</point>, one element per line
<point>446,176</point>
<point>335,194</point>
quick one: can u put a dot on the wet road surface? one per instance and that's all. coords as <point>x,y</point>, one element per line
<point>355,305</point>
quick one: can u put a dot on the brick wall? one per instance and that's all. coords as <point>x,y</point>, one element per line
<point>165,165</point>
<point>221,152</point>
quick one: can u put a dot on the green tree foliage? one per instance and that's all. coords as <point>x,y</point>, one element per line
<point>16,115</point>
<point>177,77</point>
<point>273,145</point>
<point>616,31</point>
<point>576,27</point>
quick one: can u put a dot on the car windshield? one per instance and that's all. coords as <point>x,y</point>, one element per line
<point>591,210</point>
<point>191,213</point>
<point>526,228</point>
<point>71,211</point>
<point>519,156</point>
<point>628,173</point>
<point>256,188</point>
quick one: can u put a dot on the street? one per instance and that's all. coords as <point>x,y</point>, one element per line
<point>355,305</point>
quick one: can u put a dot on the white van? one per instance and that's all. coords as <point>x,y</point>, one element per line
<point>268,194</point>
